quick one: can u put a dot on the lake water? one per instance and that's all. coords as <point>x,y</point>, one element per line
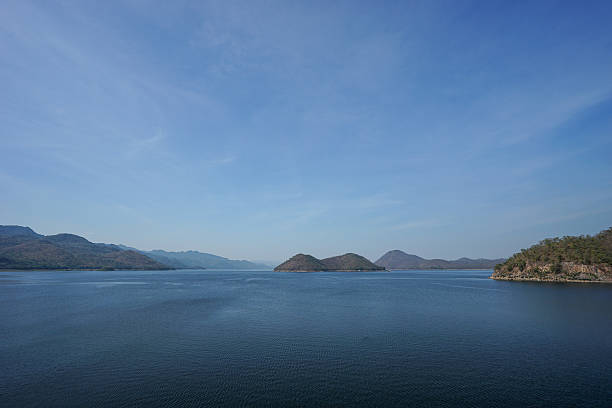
<point>259,338</point>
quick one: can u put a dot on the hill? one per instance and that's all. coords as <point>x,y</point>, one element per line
<point>582,258</point>
<point>301,263</point>
<point>22,248</point>
<point>17,230</point>
<point>397,259</point>
<point>346,262</point>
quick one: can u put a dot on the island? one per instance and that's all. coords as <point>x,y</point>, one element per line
<point>343,263</point>
<point>569,259</point>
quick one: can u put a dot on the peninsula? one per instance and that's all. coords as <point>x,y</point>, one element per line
<point>345,263</point>
<point>568,259</point>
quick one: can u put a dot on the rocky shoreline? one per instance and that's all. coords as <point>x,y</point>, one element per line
<point>547,280</point>
<point>555,272</point>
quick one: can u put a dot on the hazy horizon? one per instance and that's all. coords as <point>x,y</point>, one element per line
<point>257,130</point>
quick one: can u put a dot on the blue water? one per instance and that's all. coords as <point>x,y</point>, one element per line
<point>257,338</point>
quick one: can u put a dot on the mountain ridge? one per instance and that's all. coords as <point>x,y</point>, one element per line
<point>397,259</point>
<point>22,248</point>
<point>16,230</point>
<point>192,259</point>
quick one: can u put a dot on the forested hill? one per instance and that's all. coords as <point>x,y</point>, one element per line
<point>346,262</point>
<point>22,248</point>
<point>581,258</point>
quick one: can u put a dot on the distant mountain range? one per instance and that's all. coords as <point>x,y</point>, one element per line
<point>346,262</point>
<point>397,259</point>
<point>197,260</point>
<point>22,248</point>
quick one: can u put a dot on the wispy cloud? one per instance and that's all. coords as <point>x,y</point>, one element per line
<point>144,145</point>
<point>416,224</point>
<point>543,115</point>
<point>223,160</point>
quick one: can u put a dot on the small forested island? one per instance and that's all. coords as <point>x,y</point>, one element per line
<point>343,263</point>
<point>568,259</point>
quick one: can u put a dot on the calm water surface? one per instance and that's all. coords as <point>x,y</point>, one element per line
<point>259,338</point>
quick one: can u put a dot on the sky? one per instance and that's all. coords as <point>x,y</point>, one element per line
<point>261,129</point>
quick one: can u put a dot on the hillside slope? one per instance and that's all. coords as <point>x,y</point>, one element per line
<point>22,248</point>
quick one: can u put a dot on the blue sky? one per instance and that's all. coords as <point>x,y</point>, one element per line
<point>260,129</point>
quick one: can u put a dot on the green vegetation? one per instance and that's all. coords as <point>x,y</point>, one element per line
<point>585,249</point>
<point>569,258</point>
